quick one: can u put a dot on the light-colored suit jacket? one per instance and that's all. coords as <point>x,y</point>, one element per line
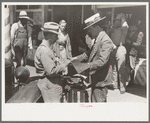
<point>98,58</point>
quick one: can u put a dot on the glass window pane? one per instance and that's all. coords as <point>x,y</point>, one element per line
<point>21,7</point>
<point>30,14</point>
<point>49,7</point>
<point>34,6</point>
<point>37,17</point>
<point>49,16</point>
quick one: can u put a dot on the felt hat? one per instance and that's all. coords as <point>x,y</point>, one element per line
<point>51,27</point>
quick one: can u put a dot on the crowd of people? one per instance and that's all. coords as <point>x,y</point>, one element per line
<point>115,48</point>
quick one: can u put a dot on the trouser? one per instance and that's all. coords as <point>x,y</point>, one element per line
<point>63,56</point>
<point>99,94</point>
<point>120,73</point>
<point>20,54</point>
<point>132,61</point>
<point>51,89</point>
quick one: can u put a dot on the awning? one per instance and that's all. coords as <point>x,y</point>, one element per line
<point>116,5</point>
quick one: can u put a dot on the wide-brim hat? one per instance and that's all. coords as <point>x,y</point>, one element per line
<point>23,14</point>
<point>51,27</point>
<point>92,20</point>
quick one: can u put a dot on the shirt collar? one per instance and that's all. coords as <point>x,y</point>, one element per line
<point>125,24</point>
<point>46,43</point>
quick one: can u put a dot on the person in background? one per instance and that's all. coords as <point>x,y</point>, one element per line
<point>125,28</point>
<point>133,42</point>
<point>98,57</point>
<point>48,64</point>
<point>63,44</point>
<point>21,39</point>
<point>40,37</point>
<point>118,60</point>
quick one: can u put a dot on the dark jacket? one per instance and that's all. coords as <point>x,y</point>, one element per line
<point>136,40</point>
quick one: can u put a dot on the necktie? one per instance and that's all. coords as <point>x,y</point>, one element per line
<point>93,45</point>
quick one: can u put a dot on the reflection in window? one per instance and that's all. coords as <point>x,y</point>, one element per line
<point>21,7</point>
<point>34,6</point>
<point>49,16</point>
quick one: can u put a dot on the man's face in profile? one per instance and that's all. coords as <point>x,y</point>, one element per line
<point>62,26</point>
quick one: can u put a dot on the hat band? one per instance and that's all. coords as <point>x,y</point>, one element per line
<point>49,29</point>
<point>95,20</point>
<point>23,16</point>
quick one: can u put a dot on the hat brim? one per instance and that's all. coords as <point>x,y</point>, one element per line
<point>94,22</point>
<point>50,31</point>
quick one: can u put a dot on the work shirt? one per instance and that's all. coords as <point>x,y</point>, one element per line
<point>46,61</point>
<point>136,39</point>
<point>13,33</point>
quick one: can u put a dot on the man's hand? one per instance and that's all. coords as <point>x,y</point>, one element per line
<point>104,84</point>
<point>80,75</point>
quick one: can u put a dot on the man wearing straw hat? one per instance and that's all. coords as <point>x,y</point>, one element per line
<point>98,57</point>
<point>47,63</point>
<point>21,39</point>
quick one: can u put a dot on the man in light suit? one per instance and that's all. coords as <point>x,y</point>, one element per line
<point>98,57</point>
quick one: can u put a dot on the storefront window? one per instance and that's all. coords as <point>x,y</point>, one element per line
<point>34,6</point>
<point>22,7</point>
<point>49,7</point>
<point>49,16</point>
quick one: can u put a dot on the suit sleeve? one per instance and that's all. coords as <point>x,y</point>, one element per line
<point>51,67</point>
<point>104,54</point>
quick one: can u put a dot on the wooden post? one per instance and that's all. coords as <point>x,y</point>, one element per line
<point>12,14</point>
<point>52,14</point>
<point>112,16</point>
<point>43,15</point>
<point>82,16</point>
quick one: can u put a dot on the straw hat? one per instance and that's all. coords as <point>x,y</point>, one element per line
<point>23,14</point>
<point>92,20</point>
